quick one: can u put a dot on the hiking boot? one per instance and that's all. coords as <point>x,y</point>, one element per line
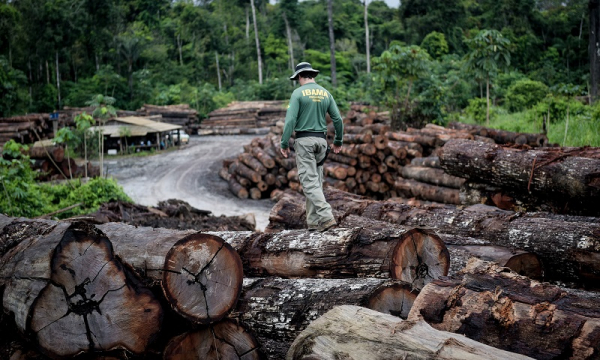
<point>324,226</point>
<point>312,227</point>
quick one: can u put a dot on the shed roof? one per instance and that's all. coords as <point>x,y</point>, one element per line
<point>137,126</point>
<point>154,125</point>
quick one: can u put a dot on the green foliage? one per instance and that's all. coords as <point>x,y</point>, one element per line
<point>22,196</point>
<point>435,44</point>
<point>488,54</point>
<point>477,110</point>
<point>525,93</point>
<point>10,81</point>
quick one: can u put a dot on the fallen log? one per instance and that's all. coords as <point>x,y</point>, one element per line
<point>522,262</point>
<point>263,157</point>
<point>425,141</point>
<point>569,181</point>
<point>342,159</point>
<point>224,340</point>
<point>570,243</point>
<point>253,164</point>
<point>39,152</point>
<point>360,333</point>
<point>277,310</point>
<point>69,292</point>
<point>243,170</point>
<point>237,189</point>
<point>508,311</point>
<point>432,162</point>
<point>431,176</point>
<point>419,190</point>
<point>503,136</point>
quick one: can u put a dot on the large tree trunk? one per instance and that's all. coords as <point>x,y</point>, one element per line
<point>360,333</point>
<point>69,292</point>
<point>367,40</point>
<point>511,312</point>
<point>503,136</point>
<point>567,179</point>
<point>224,340</point>
<point>288,32</point>
<point>331,42</point>
<point>277,310</point>
<point>258,53</point>
<point>569,243</point>
<point>594,47</point>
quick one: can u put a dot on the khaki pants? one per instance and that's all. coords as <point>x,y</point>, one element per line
<point>309,151</point>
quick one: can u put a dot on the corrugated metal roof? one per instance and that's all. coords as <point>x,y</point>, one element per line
<point>154,125</point>
<point>117,130</point>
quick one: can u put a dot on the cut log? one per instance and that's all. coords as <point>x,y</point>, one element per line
<point>360,333</point>
<point>39,152</point>
<point>263,157</point>
<point>569,243</point>
<point>367,149</point>
<point>237,189</point>
<point>202,277</point>
<point>336,172</point>
<point>500,308</point>
<point>243,170</point>
<point>432,162</point>
<point>565,179</point>
<point>277,310</point>
<point>255,193</point>
<point>522,262</point>
<point>69,292</point>
<point>503,136</point>
<point>253,164</point>
<point>358,138</point>
<point>342,159</point>
<point>432,176</point>
<point>391,161</point>
<point>346,252</point>
<point>395,299</point>
<point>398,150</point>
<point>419,258</point>
<point>224,340</point>
<point>425,141</point>
<point>419,190</point>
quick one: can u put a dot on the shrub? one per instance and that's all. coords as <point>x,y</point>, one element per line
<point>525,93</point>
<point>435,44</point>
<point>477,110</point>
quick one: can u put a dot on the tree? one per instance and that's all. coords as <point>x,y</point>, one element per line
<point>331,42</point>
<point>64,136</point>
<point>396,66</point>
<point>103,110</point>
<point>83,122</point>
<point>488,54</point>
<point>367,42</point>
<point>594,47</point>
<point>258,55</point>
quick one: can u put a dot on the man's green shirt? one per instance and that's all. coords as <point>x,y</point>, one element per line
<point>308,105</point>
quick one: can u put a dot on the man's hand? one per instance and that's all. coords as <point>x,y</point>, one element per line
<point>336,148</point>
<point>285,152</point>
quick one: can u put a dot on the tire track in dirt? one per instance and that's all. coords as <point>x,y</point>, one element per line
<point>189,174</point>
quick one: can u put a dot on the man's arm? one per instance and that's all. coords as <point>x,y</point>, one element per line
<point>338,124</point>
<point>290,123</point>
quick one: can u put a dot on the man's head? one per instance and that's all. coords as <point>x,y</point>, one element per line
<point>304,71</point>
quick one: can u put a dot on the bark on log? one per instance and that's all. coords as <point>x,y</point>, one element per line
<point>571,182</point>
<point>342,159</point>
<point>511,312</point>
<point>253,163</point>
<point>242,170</point>
<point>225,340</point>
<point>432,162</point>
<point>353,332</point>
<point>419,190</point>
<point>202,278</point>
<point>522,262</point>
<point>237,189</point>
<point>68,291</point>
<point>502,136</point>
<point>336,172</point>
<point>424,140</point>
<point>570,243</point>
<point>432,176</point>
<point>397,149</point>
<point>277,310</point>
<point>263,157</point>
<point>358,138</point>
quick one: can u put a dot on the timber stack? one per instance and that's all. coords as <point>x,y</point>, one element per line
<point>180,114</point>
<point>25,129</point>
<point>243,117</point>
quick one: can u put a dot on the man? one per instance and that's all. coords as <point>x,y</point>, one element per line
<point>306,116</point>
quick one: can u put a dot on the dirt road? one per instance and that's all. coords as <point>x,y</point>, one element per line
<point>189,174</point>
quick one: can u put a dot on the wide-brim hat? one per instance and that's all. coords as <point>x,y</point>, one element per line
<point>303,67</point>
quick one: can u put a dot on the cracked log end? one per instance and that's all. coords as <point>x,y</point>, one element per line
<point>92,303</point>
<point>224,340</point>
<point>202,278</point>
<point>395,299</point>
<point>419,258</point>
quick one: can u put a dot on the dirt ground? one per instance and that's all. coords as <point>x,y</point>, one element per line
<point>189,174</point>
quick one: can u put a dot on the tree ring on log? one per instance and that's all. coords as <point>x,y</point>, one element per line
<point>224,340</point>
<point>92,303</point>
<point>419,258</point>
<point>395,299</point>
<point>202,277</point>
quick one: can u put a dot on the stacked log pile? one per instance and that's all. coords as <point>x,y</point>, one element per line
<point>242,117</point>
<point>51,163</point>
<point>180,114</point>
<point>25,129</point>
<point>560,180</point>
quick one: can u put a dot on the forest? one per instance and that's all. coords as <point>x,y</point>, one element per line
<point>429,61</point>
